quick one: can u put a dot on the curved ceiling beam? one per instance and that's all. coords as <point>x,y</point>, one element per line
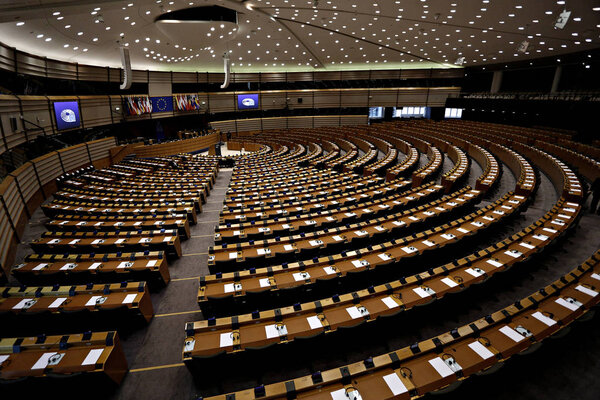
<point>407,53</point>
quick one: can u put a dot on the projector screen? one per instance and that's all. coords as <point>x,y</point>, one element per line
<point>247,101</point>
<point>67,115</point>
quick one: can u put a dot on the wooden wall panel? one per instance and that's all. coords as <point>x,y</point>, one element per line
<point>300,122</point>
<point>327,98</point>
<point>244,125</point>
<point>7,58</point>
<point>48,168</point>
<point>91,73</point>
<point>61,70</point>
<point>95,110</point>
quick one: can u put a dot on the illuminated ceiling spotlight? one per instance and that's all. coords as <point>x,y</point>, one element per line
<point>562,19</point>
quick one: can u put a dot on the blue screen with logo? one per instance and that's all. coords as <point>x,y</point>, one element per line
<point>67,115</point>
<point>247,101</point>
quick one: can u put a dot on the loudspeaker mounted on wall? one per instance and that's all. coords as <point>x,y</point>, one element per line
<point>126,62</point>
<point>227,70</point>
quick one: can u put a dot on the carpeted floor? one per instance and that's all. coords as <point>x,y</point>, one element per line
<point>562,369</point>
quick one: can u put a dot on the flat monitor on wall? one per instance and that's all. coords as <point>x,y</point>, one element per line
<point>67,115</point>
<point>247,101</point>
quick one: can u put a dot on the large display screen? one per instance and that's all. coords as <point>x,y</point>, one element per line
<point>247,101</point>
<point>67,115</point>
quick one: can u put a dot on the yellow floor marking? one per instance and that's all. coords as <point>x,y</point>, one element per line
<point>184,279</point>
<point>157,367</point>
<point>175,313</point>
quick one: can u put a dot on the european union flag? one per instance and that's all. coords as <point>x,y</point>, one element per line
<point>162,104</point>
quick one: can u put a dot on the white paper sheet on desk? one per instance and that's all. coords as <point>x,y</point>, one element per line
<point>566,304</point>
<point>286,226</point>
<point>151,263</point>
<point>550,230</point>
<point>422,293</point>
<point>353,312</point>
<point>413,218</point>
<point>233,255</point>
<point>229,287</point>
<point>68,266</point>
<point>428,243</point>
<point>409,249</point>
<point>384,257</point>
<point>92,357</point>
<point>58,302</point>
<point>481,350</point>
<point>315,242</point>
<point>513,254</point>
<point>3,358</point>
<point>511,333</point>
<point>389,302</point>
<point>472,272</point>
<point>395,384</point>
<point>314,322</point>
<point>494,263</point>
<point>42,362</point>
<point>301,276</point>
<point>98,223</point>
<point>271,331</point>
<point>54,241</point>
<point>226,339</point>
<point>596,276</point>
<point>262,252</point>
<point>542,318</point>
<point>98,241</point>
<point>587,291</point>
<point>440,366</point>
<point>119,241</point>
<point>129,298</point>
<point>20,305</point>
<point>264,282</point>
<point>339,395</point>
<point>449,282</point>
<point>527,245</point>
<point>361,233</point>
<point>167,239</point>
<point>288,247</point>
<point>329,270</point>
<point>94,265</point>
<point>358,263</point>
<point>92,301</point>
<point>125,264</point>
<point>398,223</point>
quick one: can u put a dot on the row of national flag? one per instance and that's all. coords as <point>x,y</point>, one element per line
<point>138,105</point>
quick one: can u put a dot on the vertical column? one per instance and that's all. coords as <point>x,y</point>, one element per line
<point>556,80</point>
<point>496,82</point>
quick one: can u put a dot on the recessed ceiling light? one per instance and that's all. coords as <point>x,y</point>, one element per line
<point>20,23</point>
